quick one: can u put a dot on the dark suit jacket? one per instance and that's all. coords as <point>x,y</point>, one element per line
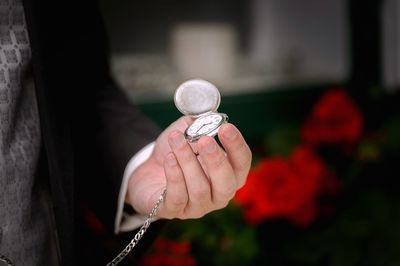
<point>89,129</point>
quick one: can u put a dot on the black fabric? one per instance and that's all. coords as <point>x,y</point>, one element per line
<point>89,129</point>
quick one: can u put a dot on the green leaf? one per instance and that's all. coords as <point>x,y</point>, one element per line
<point>282,139</point>
<point>392,133</point>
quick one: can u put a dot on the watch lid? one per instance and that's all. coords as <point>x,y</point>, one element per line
<point>196,97</point>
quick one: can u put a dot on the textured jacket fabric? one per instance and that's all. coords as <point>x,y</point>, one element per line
<point>89,128</point>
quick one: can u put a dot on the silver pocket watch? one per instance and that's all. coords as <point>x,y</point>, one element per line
<point>200,99</point>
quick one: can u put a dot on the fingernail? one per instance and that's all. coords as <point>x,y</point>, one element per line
<point>171,161</point>
<point>178,140</point>
<point>230,134</point>
<point>210,147</point>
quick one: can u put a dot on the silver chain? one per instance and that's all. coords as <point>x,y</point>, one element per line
<point>140,233</point>
<point>6,260</point>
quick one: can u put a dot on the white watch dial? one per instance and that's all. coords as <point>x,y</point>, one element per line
<point>205,125</point>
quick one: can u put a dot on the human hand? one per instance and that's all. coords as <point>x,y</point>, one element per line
<point>196,185</point>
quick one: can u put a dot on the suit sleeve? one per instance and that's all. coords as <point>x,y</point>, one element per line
<point>113,131</point>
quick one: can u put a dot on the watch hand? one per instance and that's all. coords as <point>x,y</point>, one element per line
<point>199,128</point>
<point>203,126</point>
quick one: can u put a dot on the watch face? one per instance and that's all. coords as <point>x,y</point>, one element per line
<point>205,125</point>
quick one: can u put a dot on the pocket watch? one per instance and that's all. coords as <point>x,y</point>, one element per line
<point>200,100</point>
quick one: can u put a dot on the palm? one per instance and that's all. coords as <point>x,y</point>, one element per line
<point>148,188</point>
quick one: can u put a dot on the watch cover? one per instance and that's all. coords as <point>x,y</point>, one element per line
<point>196,97</point>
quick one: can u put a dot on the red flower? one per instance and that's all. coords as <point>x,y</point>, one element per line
<point>91,220</point>
<point>169,253</point>
<point>279,188</point>
<point>334,119</point>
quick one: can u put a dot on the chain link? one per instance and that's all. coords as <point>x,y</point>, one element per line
<point>140,233</point>
<point>6,260</point>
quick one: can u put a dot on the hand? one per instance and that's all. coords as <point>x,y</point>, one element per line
<point>196,185</point>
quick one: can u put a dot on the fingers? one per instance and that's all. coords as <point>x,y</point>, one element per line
<point>220,172</point>
<point>177,196</point>
<point>239,153</point>
<point>197,184</point>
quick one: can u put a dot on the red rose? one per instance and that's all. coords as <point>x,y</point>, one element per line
<point>334,119</point>
<point>91,220</point>
<point>169,253</point>
<point>279,188</point>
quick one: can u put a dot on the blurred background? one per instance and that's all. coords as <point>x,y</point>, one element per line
<point>314,87</point>
<point>242,46</point>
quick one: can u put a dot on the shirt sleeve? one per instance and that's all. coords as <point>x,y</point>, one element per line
<point>123,221</point>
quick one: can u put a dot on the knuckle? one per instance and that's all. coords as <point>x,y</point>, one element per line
<point>178,201</point>
<point>244,148</point>
<point>240,145</point>
<point>196,210</point>
<point>241,183</point>
<point>201,194</point>
<point>198,215</point>
<point>185,154</point>
<point>175,178</point>
<point>245,164</point>
<point>219,160</point>
<point>222,204</point>
<point>194,213</point>
<point>228,192</point>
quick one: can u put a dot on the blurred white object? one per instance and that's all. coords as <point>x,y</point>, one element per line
<point>300,39</point>
<point>204,50</point>
<point>391,42</point>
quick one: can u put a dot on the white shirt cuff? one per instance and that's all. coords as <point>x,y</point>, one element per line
<point>123,221</point>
